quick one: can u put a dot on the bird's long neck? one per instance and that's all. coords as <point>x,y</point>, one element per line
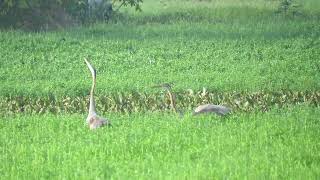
<point>92,106</point>
<point>173,104</point>
<point>172,100</point>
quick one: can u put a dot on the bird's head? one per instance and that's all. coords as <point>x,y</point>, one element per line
<point>165,86</point>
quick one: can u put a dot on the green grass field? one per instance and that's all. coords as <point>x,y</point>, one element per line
<point>240,51</point>
<point>238,48</point>
<point>278,144</point>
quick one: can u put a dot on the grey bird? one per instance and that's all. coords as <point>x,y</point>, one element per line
<point>211,108</point>
<point>93,120</point>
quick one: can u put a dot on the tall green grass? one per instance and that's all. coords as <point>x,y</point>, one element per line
<point>283,143</point>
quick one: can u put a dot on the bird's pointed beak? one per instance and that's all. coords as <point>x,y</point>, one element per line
<point>85,60</point>
<point>166,86</point>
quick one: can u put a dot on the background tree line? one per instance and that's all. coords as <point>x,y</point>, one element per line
<point>52,14</point>
<point>55,13</point>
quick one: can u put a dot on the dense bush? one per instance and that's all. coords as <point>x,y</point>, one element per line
<point>289,7</point>
<point>55,13</point>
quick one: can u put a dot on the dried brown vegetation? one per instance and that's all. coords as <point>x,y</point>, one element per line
<point>142,102</point>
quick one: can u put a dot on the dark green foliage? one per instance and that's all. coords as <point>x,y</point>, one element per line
<point>132,3</point>
<point>289,7</point>
<point>44,14</point>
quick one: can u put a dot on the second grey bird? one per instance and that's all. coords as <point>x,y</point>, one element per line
<point>202,109</point>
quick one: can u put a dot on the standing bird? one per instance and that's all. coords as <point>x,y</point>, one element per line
<point>94,121</point>
<point>206,108</point>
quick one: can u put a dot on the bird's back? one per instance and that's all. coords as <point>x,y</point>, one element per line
<point>207,108</point>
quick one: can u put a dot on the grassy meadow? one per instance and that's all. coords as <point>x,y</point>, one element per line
<point>245,47</point>
<point>242,53</point>
<point>277,144</point>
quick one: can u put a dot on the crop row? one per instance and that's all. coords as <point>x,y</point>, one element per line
<point>142,102</point>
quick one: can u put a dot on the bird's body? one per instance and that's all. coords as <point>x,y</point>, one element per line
<point>211,108</point>
<point>96,122</point>
<point>93,120</point>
